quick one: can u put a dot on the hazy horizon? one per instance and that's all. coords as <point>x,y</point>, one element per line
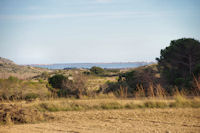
<point>92,31</point>
<point>92,63</point>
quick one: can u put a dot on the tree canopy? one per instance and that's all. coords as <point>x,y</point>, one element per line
<point>180,61</point>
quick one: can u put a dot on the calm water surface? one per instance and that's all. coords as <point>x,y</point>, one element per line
<point>89,65</point>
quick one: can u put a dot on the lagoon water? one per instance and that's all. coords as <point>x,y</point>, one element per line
<point>89,65</point>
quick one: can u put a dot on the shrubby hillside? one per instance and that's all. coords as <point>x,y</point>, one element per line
<point>9,68</point>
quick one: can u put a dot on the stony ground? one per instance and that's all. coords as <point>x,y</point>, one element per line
<point>185,120</point>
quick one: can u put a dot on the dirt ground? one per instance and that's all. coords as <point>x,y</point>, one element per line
<point>186,120</point>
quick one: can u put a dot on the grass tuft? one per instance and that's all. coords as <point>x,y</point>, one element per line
<point>155,104</point>
<point>181,101</point>
<point>112,105</point>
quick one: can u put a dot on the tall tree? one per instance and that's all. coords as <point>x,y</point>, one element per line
<point>179,61</point>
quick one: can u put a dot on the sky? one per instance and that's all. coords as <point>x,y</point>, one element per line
<point>77,31</point>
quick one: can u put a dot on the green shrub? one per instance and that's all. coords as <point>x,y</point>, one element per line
<point>57,80</point>
<point>86,73</point>
<point>41,80</point>
<point>13,79</point>
<point>97,70</point>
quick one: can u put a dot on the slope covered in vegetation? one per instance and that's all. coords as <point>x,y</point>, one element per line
<point>9,68</point>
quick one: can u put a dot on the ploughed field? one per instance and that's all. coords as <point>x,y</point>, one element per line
<point>164,120</point>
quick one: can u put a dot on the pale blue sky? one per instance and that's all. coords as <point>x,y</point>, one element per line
<point>69,31</point>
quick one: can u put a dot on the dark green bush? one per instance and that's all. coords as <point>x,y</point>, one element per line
<point>97,70</point>
<point>87,73</point>
<point>57,80</point>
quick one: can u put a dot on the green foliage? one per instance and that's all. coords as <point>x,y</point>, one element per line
<point>13,79</point>
<point>154,104</point>
<point>131,106</point>
<point>75,87</point>
<point>15,89</point>
<point>113,70</point>
<point>31,96</point>
<point>111,87</point>
<point>53,107</point>
<point>41,80</point>
<point>128,82</point>
<point>45,75</point>
<point>179,81</point>
<point>97,70</point>
<point>112,105</point>
<point>130,78</point>
<point>179,61</point>
<point>65,87</point>
<point>57,81</point>
<point>86,73</point>
<point>197,70</point>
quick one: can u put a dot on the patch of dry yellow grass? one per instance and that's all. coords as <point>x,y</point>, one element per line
<point>169,120</point>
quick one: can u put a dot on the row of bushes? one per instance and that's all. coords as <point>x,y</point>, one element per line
<point>98,71</point>
<point>62,86</point>
<point>125,89</point>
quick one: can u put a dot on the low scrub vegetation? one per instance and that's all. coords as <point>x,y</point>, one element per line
<point>68,87</point>
<point>106,104</point>
<point>15,114</point>
<point>16,89</point>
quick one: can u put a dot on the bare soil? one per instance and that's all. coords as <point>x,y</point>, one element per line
<point>185,120</point>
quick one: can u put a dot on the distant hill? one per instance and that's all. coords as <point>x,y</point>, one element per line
<point>5,61</point>
<point>9,68</point>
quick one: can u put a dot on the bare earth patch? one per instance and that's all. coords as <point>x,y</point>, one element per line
<point>167,120</point>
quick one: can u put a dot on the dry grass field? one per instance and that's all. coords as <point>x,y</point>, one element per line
<point>169,120</point>
<point>109,115</point>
